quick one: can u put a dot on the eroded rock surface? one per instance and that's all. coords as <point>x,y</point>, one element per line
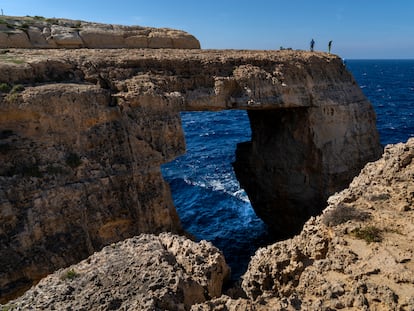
<point>39,32</point>
<point>77,174</point>
<point>83,134</point>
<point>358,255</point>
<point>147,272</point>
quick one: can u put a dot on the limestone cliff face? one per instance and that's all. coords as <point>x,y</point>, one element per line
<point>83,134</point>
<point>39,32</point>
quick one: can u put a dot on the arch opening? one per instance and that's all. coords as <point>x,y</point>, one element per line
<point>206,193</point>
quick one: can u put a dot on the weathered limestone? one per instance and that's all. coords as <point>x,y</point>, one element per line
<point>82,144</point>
<point>358,255</point>
<point>39,32</point>
<point>328,266</point>
<point>147,272</point>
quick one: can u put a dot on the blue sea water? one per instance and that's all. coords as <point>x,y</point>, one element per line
<point>389,85</point>
<point>206,193</point>
<point>205,190</point>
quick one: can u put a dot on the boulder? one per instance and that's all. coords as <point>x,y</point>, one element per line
<point>147,272</point>
<point>16,38</point>
<point>62,37</point>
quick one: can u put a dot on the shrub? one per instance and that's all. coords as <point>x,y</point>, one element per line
<point>12,97</point>
<point>69,275</point>
<point>5,88</point>
<point>17,88</point>
<point>342,214</point>
<point>369,234</point>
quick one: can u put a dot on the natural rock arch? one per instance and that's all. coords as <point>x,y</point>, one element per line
<point>312,132</point>
<point>298,157</point>
<point>118,111</point>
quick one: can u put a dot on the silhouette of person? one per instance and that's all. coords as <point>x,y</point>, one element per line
<point>329,46</point>
<point>312,45</point>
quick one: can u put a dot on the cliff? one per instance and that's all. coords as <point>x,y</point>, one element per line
<point>83,134</point>
<point>49,33</point>
<point>357,255</point>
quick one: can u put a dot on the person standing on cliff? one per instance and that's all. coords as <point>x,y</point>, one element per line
<point>329,47</point>
<point>312,45</point>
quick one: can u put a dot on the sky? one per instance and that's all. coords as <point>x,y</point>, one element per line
<point>359,29</point>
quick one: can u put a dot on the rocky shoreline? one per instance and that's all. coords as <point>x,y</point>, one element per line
<point>357,255</point>
<point>84,207</point>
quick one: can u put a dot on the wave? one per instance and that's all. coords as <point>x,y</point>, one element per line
<point>224,185</point>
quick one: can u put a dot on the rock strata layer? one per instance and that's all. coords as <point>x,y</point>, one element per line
<point>39,32</point>
<point>147,272</point>
<point>83,134</point>
<point>358,255</point>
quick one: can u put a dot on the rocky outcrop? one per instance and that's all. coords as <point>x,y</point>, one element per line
<point>358,255</point>
<point>148,272</point>
<point>83,134</point>
<point>39,32</point>
<point>78,172</point>
<point>312,146</point>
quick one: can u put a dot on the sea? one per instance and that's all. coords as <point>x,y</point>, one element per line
<point>206,193</point>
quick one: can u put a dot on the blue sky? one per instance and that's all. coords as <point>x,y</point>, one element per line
<point>358,28</point>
